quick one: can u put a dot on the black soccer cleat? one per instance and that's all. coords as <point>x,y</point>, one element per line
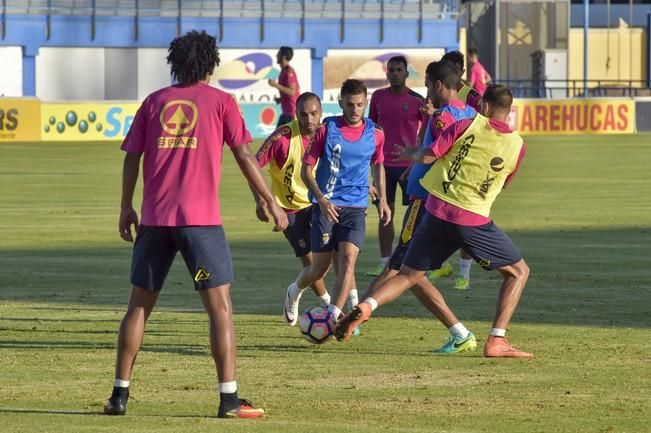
<point>117,403</point>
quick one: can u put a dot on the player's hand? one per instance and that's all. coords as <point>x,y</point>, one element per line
<point>427,107</point>
<point>261,209</point>
<point>128,217</point>
<point>272,83</point>
<point>372,191</point>
<point>280,218</point>
<point>384,212</point>
<point>330,211</point>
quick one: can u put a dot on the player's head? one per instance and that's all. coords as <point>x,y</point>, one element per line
<point>496,101</point>
<point>193,57</point>
<point>284,55</point>
<point>442,79</point>
<point>473,55</point>
<point>397,72</point>
<point>353,101</point>
<point>308,111</point>
<point>457,58</point>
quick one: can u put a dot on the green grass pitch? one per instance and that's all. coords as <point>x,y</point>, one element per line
<point>579,211</point>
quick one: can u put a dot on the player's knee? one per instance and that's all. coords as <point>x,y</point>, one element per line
<point>521,271</point>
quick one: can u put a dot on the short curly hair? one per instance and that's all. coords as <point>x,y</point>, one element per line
<point>193,57</point>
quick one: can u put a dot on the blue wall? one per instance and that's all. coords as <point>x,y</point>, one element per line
<point>31,32</point>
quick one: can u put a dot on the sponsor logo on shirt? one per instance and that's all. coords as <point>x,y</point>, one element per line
<point>178,119</point>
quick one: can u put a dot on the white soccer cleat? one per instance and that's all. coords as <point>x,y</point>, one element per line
<point>290,307</point>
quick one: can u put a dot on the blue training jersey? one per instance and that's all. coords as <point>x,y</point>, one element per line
<point>342,171</point>
<point>414,188</point>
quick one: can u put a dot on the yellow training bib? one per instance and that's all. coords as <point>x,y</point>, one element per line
<point>473,172</point>
<point>286,184</point>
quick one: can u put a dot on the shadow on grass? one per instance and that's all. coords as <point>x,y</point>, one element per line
<point>100,413</point>
<point>579,277</point>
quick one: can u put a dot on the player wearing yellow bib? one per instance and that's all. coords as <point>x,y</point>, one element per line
<point>475,158</point>
<point>283,152</point>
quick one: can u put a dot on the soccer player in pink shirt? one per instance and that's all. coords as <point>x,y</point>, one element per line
<point>479,76</point>
<point>179,132</point>
<point>475,158</point>
<point>287,85</point>
<point>397,110</point>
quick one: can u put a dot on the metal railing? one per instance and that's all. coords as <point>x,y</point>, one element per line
<point>326,9</point>
<point>575,88</point>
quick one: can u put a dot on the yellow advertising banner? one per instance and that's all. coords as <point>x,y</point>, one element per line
<point>86,121</point>
<point>573,116</point>
<point>20,119</point>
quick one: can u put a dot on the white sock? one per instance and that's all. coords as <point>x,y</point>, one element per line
<point>372,302</point>
<point>228,387</point>
<point>384,260</point>
<point>295,291</point>
<point>353,299</point>
<point>119,383</point>
<point>464,267</point>
<point>498,332</point>
<point>458,330</point>
<point>325,299</point>
<point>336,312</point>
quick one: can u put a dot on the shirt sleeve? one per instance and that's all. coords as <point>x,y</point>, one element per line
<point>372,109</point>
<point>523,152</point>
<point>315,149</point>
<point>235,132</point>
<point>445,141</point>
<point>134,142</point>
<point>378,155</point>
<point>275,147</point>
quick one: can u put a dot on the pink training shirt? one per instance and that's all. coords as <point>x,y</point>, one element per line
<point>181,131</point>
<point>351,133</point>
<point>449,212</point>
<point>479,77</point>
<point>400,117</point>
<point>286,78</point>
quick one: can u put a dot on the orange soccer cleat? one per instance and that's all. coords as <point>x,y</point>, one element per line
<point>499,347</point>
<point>346,326</point>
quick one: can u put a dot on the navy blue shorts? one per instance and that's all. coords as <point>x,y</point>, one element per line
<point>393,179</point>
<point>204,249</point>
<point>351,227</point>
<point>413,215</point>
<point>435,240</point>
<point>298,230</point>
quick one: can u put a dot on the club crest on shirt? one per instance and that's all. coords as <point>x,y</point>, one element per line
<point>405,106</point>
<point>178,118</point>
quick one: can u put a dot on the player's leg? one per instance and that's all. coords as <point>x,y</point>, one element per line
<point>463,278</point>
<point>207,256</point>
<point>494,250</point>
<point>346,258</point>
<point>428,248</point>
<point>386,233</point>
<point>321,244</point>
<point>153,254</point>
<point>349,235</point>
<point>298,235</point>
<point>318,287</point>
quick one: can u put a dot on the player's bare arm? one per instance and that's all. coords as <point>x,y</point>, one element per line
<point>384,210</point>
<point>422,156</point>
<point>261,208</point>
<point>249,166</point>
<point>285,90</point>
<point>128,215</point>
<point>328,209</point>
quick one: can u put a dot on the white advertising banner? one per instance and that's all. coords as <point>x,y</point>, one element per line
<point>11,72</point>
<point>370,67</point>
<point>244,73</point>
